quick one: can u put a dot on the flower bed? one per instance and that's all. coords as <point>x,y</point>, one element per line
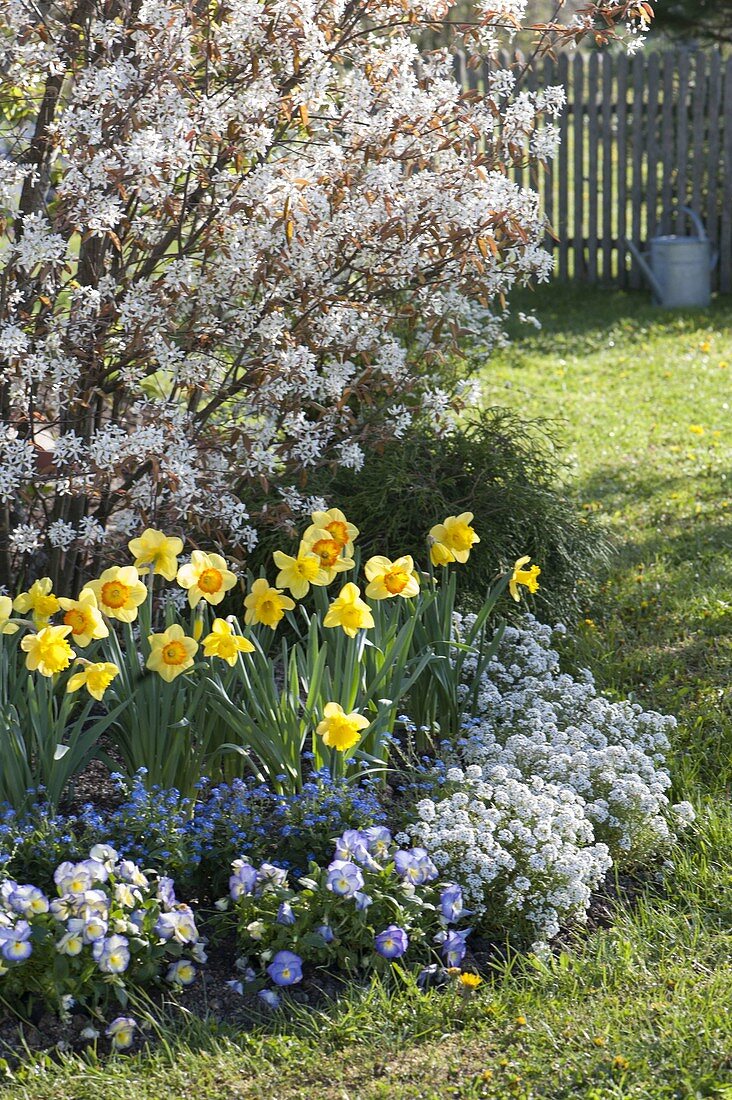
<point>530,787</point>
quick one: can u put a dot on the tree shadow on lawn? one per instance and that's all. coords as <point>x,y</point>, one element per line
<point>576,318</point>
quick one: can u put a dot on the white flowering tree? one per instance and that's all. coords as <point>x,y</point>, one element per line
<point>235,235</point>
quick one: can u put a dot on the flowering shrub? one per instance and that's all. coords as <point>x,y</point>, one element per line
<point>111,928</point>
<point>219,236</point>
<point>372,904</point>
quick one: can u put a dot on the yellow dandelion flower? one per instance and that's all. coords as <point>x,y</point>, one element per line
<point>206,577</point>
<point>156,550</point>
<point>349,611</point>
<point>340,730</point>
<point>266,605</point>
<point>391,578</point>
<point>470,981</point>
<point>171,652</point>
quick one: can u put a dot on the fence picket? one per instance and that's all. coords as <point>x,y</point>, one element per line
<point>639,139</point>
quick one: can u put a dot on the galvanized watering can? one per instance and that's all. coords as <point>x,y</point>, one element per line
<point>680,268</point>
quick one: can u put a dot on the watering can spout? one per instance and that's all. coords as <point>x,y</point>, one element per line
<point>647,270</point>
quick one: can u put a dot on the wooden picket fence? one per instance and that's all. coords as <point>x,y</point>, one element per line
<point>641,137</point>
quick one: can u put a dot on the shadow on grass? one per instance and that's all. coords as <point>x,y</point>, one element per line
<point>576,317</point>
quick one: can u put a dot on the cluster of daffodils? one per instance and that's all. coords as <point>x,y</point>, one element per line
<point>532,719</point>
<point>374,903</point>
<point>118,595</point>
<point>110,927</point>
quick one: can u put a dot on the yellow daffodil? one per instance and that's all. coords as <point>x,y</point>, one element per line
<point>349,611</point>
<point>297,574</point>
<point>95,677</point>
<point>39,599</point>
<point>84,618</point>
<point>391,578</point>
<point>224,643</point>
<point>119,592</point>
<point>157,550</point>
<point>266,605</point>
<point>6,610</point>
<point>48,651</point>
<point>339,730</point>
<point>441,554</point>
<point>333,558</point>
<point>523,576</point>
<point>456,535</point>
<point>171,652</point>
<point>206,577</point>
<point>335,524</point>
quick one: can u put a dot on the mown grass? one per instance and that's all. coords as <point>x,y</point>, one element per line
<point>636,1010</point>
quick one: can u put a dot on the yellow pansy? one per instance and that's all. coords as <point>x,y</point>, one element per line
<point>266,605</point>
<point>335,524</point>
<point>84,618</point>
<point>349,611</point>
<point>391,578</point>
<point>300,572</point>
<point>39,599</point>
<point>441,554</point>
<point>48,651</point>
<point>6,610</point>
<point>206,577</point>
<point>154,548</point>
<point>171,652</point>
<point>523,576</point>
<point>95,677</point>
<point>340,730</point>
<point>224,643</point>
<point>456,535</point>
<point>119,592</point>
<point>333,558</point>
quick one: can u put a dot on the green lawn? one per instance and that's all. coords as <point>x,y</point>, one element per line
<point>639,1009</point>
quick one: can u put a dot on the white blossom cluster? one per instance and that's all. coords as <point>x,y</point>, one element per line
<point>230,245</point>
<point>534,719</point>
<point>523,850</point>
<point>549,784</point>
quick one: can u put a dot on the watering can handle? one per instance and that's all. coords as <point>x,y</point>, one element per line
<point>698,223</point>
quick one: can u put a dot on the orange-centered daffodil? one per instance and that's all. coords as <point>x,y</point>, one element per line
<point>84,618</point>
<point>391,578</point>
<point>171,652</point>
<point>119,592</point>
